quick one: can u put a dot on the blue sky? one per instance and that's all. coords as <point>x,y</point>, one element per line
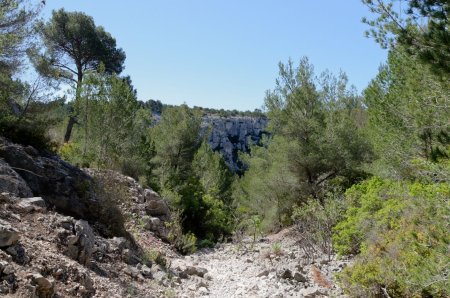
<point>224,54</point>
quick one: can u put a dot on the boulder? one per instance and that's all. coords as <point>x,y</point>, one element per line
<point>12,182</point>
<point>18,253</point>
<point>263,273</point>
<point>153,224</point>
<point>31,204</point>
<point>8,235</point>
<point>157,208</point>
<point>80,246</point>
<point>119,243</point>
<point>130,258</point>
<point>150,195</point>
<point>45,288</point>
<point>201,271</point>
<point>146,271</point>
<point>132,271</point>
<point>3,265</point>
<point>60,184</point>
<point>191,270</point>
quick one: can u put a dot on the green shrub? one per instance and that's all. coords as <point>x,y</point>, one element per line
<point>184,243</point>
<point>315,222</point>
<point>205,243</point>
<point>110,195</point>
<point>71,152</point>
<point>217,220</point>
<point>156,257</point>
<point>188,243</point>
<point>26,132</point>
<point>276,249</point>
<point>400,232</point>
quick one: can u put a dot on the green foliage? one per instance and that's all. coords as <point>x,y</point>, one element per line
<point>176,138</point>
<point>315,222</point>
<point>408,112</point>
<point>217,220</point>
<point>421,26</point>
<point>74,36</point>
<point>26,132</point>
<point>74,45</point>
<point>317,144</point>
<point>400,231</point>
<point>155,256</point>
<point>16,21</point>
<point>276,249</point>
<point>157,107</point>
<point>319,124</point>
<point>268,188</point>
<point>112,129</point>
<point>185,243</point>
<point>194,178</point>
<point>214,175</point>
<point>205,243</point>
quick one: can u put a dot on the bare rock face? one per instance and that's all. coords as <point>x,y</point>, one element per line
<point>8,234</point>
<point>57,182</point>
<point>28,172</point>
<point>233,134</point>
<point>85,241</point>
<point>12,182</point>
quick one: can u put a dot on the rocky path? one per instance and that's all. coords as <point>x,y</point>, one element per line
<point>272,267</point>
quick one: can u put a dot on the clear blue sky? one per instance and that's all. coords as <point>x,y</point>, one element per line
<point>224,54</point>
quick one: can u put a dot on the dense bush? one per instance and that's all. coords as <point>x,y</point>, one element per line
<point>185,243</point>
<point>400,232</point>
<point>314,223</point>
<point>26,132</point>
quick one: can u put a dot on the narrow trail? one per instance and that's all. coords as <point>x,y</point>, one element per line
<point>272,267</point>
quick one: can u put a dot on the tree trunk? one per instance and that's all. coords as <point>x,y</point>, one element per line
<point>73,118</point>
<point>72,121</point>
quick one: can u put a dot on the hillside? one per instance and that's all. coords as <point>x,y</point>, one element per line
<point>339,186</point>
<point>51,249</point>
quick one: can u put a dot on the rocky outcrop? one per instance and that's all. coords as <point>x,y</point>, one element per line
<point>60,184</point>
<point>57,224</point>
<point>12,182</point>
<point>45,254</point>
<point>143,205</point>
<point>77,238</point>
<point>234,134</point>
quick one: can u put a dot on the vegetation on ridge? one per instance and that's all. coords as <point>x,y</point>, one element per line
<point>365,175</point>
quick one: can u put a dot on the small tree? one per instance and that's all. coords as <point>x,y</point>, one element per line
<point>73,45</point>
<point>176,139</point>
<point>318,123</point>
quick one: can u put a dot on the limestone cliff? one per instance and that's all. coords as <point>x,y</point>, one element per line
<point>229,135</point>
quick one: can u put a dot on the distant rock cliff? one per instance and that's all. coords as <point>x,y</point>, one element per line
<point>232,134</point>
